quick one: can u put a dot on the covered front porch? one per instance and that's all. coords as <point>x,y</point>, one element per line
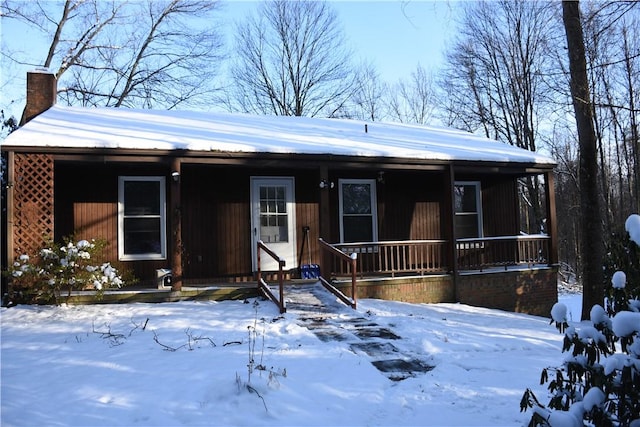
<point>513,273</point>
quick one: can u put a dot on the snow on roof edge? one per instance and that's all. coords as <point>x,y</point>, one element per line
<point>121,128</point>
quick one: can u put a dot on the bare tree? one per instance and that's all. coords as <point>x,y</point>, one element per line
<point>367,100</point>
<point>117,53</point>
<point>494,79</point>
<point>413,100</point>
<point>291,60</point>
<point>590,222</point>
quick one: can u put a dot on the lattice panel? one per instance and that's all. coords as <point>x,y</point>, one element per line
<point>32,201</point>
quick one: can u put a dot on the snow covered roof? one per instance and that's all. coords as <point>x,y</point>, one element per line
<point>120,128</point>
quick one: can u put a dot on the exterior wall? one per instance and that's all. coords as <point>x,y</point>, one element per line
<point>521,291</point>
<point>500,207</point>
<point>86,206</point>
<point>217,220</point>
<point>409,206</point>
<point>216,231</point>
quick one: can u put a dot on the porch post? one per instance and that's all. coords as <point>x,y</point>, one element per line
<point>176,224</point>
<point>552,225</point>
<point>325,220</point>
<point>450,226</point>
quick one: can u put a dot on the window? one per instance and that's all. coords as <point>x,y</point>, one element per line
<point>468,210</point>
<point>358,220</point>
<point>274,224</point>
<point>141,218</point>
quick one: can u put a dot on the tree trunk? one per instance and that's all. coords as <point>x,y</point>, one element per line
<point>591,249</point>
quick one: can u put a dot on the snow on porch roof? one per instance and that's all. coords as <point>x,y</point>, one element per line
<point>121,128</point>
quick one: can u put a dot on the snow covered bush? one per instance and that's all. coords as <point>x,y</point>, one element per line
<point>623,258</point>
<point>598,384</point>
<point>73,265</point>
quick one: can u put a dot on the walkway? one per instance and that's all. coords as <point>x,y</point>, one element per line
<point>320,312</point>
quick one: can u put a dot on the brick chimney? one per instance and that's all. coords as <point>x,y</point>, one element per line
<point>41,94</point>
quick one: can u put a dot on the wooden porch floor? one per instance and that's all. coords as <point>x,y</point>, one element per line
<point>192,292</point>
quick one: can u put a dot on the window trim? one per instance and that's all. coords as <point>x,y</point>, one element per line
<point>478,189</point>
<point>373,201</point>
<point>122,256</point>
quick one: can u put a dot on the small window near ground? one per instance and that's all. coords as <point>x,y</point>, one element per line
<point>141,218</point>
<point>468,210</point>
<point>358,220</point>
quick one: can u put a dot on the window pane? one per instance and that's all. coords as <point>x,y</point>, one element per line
<point>358,228</point>
<point>273,214</point>
<point>142,236</point>
<point>356,199</point>
<point>275,233</point>
<point>141,198</point>
<point>467,226</point>
<point>465,198</point>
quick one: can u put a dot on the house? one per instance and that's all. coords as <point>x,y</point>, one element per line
<point>432,213</point>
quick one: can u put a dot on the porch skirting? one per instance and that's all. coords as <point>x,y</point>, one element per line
<point>530,291</point>
<point>414,289</point>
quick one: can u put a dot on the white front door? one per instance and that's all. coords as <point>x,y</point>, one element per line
<point>273,220</point>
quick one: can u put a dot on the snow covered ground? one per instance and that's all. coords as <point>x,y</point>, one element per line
<point>113,365</point>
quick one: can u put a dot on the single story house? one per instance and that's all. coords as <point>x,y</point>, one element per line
<point>432,213</point>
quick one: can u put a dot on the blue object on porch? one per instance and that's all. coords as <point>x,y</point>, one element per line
<point>310,271</point>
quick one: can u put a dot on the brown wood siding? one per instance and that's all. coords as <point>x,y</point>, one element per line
<point>216,222</point>
<point>97,220</point>
<point>217,219</point>
<point>308,215</point>
<point>86,203</point>
<point>215,211</point>
<point>500,207</point>
<point>409,206</point>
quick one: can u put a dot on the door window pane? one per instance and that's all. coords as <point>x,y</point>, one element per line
<point>274,219</point>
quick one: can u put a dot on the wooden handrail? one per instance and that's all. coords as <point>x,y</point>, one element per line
<point>263,285</point>
<point>421,257</point>
<point>399,256</point>
<point>351,260</point>
<point>503,251</point>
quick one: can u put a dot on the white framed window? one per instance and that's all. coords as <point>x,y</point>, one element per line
<point>142,222</point>
<point>358,210</point>
<point>468,209</point>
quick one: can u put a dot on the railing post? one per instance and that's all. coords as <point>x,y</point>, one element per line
<point>354,258</point>
<point>281,283</point>
<point>258,260</point>
<point>263,285</point>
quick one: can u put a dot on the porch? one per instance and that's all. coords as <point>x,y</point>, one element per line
<point>513,273</point>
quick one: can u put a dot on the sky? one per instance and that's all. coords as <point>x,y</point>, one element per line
<point>187,364</point>
<point>395,35</point>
